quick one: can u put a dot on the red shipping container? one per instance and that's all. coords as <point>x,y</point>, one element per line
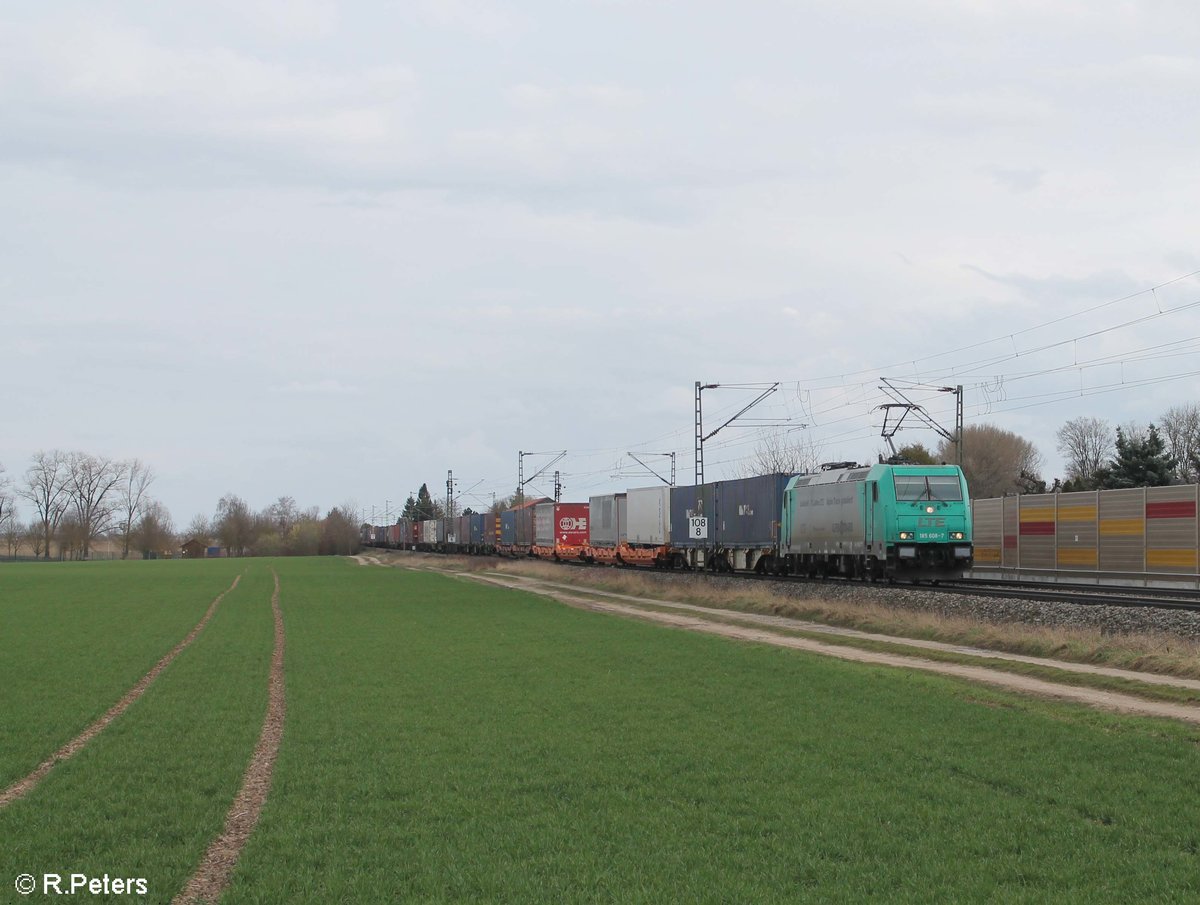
<point>570,524</point>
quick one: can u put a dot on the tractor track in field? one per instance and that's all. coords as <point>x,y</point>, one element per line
<point>213,874</point>
<point>693,620</point>
<point>24,786</point>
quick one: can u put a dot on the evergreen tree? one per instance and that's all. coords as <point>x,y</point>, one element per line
<point>424,507</point>
<point>1140,461</point>
<point>916,454</point>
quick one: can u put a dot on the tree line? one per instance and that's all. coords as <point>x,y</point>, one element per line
<point>280,529</point>
<point>78,498</point>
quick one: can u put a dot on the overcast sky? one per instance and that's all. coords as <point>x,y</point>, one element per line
<point>332,250</point>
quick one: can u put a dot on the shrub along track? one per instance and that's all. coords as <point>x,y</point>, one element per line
<point>216,868</point>
<point>635,607</point>
<point>23,786</point>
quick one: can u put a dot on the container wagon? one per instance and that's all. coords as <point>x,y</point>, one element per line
<point>728,526</point>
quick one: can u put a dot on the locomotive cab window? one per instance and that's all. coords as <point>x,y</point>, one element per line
<point>914,487</point>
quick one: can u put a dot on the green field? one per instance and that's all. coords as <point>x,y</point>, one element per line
<point>450,742</point>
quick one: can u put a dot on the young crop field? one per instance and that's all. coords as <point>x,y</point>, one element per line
<point>447,741</point>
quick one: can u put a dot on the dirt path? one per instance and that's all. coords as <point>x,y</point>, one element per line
<point>1105,700</point>
<point>23,786</point>
<point>216,868</point>
<point>802,625</point>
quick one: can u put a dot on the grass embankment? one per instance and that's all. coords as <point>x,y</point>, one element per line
<point>147,795</point>
<point>452,742</point>
<point>1163,654</point>
<point>75,637</point>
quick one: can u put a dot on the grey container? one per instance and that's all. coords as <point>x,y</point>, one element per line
<point>748,511</point>
<point>524,526</point>
<point>687,502</point>
<point>606,520</point>
<point>649,516</point>
<point>508,527</point>
<point>543,524</point>
<point>445,528</point>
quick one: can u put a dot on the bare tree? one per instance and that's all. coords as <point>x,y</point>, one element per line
<point>199,529</point>
<point>774,454</point>
<point>8,510</point>
<point>1087,445</point>
<point>14,535</point>
<point>234,524</point>
<point>339,535</point>
<point>154,532</point>
<point>36,538</point>
<point>45,487</point>
<point>282,514</point>
<point>92,483</point>
<point>137,480</point>
<point>70,536</point>
<point>995,461</point>
<point>1181,430</point>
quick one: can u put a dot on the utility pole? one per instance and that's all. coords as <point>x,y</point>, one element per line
<point>450,493</point>
<point>521,480</point>
<point>701,436</point>
<point>557,487</point>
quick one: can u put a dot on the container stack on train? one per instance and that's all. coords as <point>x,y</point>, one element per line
<point>728,525</point>
<point>648,527</point>
<point>607,518</point>
<point>560,530</point>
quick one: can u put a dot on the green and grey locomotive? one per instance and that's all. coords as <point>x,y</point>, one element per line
<point>878,521</point>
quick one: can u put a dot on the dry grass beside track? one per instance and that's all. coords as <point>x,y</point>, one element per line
<point>1161,653</point>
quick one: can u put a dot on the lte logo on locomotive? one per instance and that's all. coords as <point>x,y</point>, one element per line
<point>571,523</point>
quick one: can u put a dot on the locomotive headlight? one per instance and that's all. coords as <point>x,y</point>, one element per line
<point>905,535</point>
<point>929,509</point>
<point>956,535</point>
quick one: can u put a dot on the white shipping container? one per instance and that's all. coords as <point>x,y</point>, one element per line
<point>648,515</point>
<point>429,531</point>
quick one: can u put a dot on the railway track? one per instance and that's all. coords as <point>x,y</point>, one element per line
<point>1085,594</point>
<point>1088,594</point>
<point>1186,599</point>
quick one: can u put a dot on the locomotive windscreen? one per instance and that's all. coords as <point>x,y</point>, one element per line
<point>911,487</point>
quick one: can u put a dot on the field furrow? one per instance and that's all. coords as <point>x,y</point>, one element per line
<point>147,795</point>
<point>214,872</point>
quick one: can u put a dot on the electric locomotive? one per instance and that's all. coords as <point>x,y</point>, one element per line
<point>878,521</point>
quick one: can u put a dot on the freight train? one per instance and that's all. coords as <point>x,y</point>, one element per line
<point>857,521</point>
